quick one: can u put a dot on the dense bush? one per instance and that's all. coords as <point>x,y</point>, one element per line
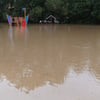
<point>66,11</point>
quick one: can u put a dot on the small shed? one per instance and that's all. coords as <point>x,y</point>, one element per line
<point>51,19</point>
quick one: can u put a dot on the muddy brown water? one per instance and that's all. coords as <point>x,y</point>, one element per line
<point>50,62</point>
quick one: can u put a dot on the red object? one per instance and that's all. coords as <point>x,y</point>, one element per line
<point>23,23</point>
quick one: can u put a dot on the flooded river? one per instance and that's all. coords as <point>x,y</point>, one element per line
<point>50,62</point>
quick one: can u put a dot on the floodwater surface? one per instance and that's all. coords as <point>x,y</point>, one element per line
<point>50,62</point>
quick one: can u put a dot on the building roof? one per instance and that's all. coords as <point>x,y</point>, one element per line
<point>51,16</point>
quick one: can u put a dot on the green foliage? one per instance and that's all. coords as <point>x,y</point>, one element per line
<point>79,11</point>
<point>35,14</point>
<point>53,5</point>
<point>66,11</point>
<point>96,12</point>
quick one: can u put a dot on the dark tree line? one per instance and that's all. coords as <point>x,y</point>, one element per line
<point>66,11</point>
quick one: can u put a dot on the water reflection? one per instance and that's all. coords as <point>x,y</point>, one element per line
<point>10,34</point>
<point>83,86</point>
<point>17,31</point>
<point>62,63</point>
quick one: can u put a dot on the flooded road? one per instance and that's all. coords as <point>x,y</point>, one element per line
<point>50,62</point>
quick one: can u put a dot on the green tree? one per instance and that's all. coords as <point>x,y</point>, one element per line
<point>35,14</point>
<point>66,11</point>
